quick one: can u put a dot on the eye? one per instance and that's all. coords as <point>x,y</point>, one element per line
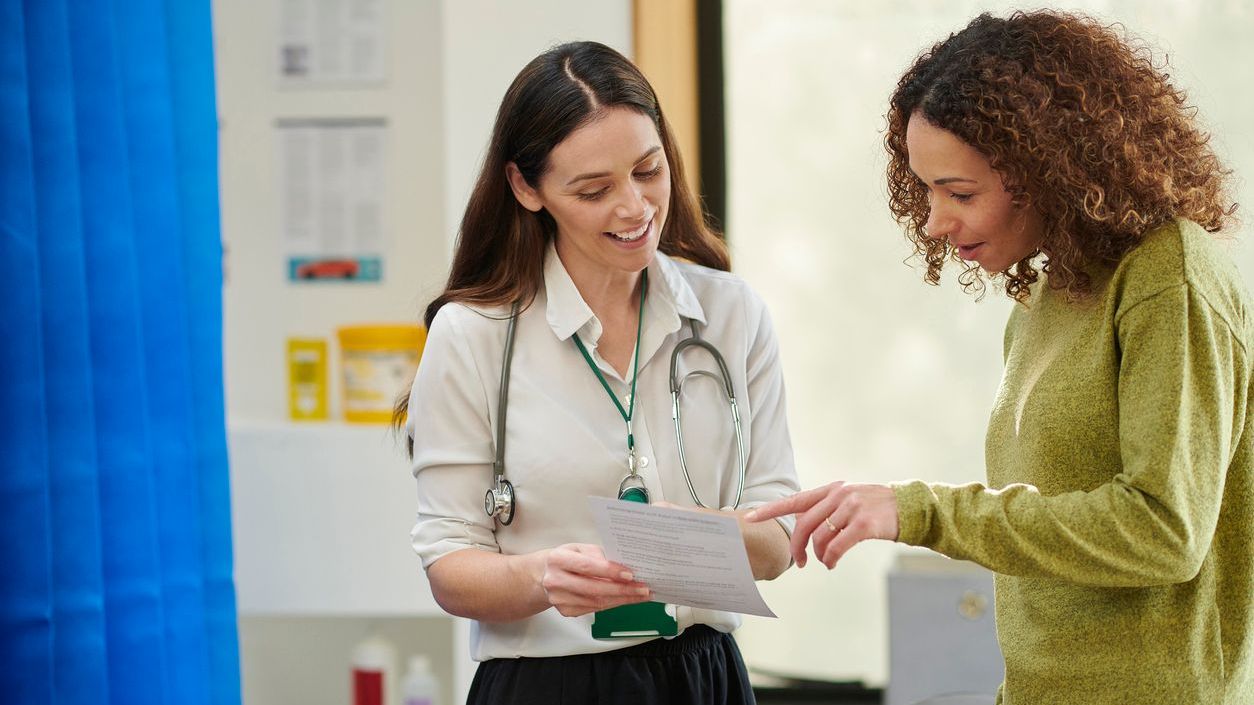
<point>962,197</point>
<point>592,195</point>
<point>646,175</point>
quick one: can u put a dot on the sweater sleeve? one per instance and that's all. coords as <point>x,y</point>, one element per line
<point>1181,404</point>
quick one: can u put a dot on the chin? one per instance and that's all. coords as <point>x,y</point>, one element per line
<point>644,259</point>
<point>994,268</point>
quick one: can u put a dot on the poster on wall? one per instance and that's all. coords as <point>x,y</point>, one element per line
<point>331,190</point>
<point>331,42</point>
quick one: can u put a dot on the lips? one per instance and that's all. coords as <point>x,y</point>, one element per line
<point>968,252</point>
<point>633,234</point>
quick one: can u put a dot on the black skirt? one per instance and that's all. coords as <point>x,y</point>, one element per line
<point>701,666</point>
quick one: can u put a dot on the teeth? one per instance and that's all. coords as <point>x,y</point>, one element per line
<point>631,235</point>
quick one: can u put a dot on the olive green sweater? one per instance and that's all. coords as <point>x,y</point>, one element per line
<point>1119,510</point>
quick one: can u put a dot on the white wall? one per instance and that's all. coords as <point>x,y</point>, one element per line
<point>889,378</point>
<point>261,307</point>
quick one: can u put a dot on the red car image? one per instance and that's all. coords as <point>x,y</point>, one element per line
<point>328,269</point>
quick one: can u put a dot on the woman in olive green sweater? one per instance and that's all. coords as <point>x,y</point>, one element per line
<point>1049,152</point>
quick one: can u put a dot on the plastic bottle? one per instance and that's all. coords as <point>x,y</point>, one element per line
<point>420,686</point>
<point>374,672</point>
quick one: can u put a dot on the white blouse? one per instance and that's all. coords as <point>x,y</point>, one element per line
<point>566,441</point>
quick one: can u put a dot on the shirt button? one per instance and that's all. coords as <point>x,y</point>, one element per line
<point>644,461</point>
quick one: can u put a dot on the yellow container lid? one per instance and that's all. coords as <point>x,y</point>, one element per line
<point>382,335</point>
<point>376,360</point>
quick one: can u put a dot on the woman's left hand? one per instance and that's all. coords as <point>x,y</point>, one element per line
<point>834,518</point>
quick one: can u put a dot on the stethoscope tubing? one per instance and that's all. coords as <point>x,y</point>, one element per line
<point>499,502</point>
<point>677,387</point>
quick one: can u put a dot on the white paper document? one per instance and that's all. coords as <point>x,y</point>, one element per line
<point>332,42</point>
<point>332,197</point>
<point>686,557</point>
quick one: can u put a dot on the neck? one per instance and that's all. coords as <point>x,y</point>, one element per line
<point>612,299</point>
<point>613,296</point>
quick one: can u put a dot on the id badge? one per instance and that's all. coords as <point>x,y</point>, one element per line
<point>632,621</point>
<point>642,618</point>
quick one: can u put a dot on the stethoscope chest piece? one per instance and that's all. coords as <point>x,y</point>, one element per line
<point>499,502</point>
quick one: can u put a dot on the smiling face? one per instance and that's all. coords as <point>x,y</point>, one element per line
<point>607,187</point>
<point>970,206</point>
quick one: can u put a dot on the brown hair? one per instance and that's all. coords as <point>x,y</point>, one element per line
<point>1084,127</point>
<point>499,256</point>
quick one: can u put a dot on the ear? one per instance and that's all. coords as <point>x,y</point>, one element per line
<point>526,195</point>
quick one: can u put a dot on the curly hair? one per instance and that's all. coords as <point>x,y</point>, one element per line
<point>1083,125</point>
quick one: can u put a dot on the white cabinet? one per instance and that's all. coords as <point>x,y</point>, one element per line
<point>321,516</point>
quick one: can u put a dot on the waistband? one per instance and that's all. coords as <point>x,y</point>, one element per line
<point>694,638</point>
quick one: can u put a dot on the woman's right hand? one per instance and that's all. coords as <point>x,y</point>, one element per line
<point>578,579</point>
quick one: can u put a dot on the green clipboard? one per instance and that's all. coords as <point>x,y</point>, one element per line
<point>631,621</point>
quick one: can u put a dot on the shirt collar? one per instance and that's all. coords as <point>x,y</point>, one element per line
<point>670,297</point>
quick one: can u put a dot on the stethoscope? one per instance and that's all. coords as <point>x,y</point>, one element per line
<point>500,503</point>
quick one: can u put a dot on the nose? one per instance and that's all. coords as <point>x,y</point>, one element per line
<point>940,224</point>
<point>633,206</point>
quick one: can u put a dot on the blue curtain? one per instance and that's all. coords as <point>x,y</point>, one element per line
<point>117,580</point>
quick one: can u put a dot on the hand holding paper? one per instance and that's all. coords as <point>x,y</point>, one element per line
<point>578,579</point>
<point>696,559</point>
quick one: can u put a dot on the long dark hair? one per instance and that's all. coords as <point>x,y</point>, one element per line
<point>499,257</point>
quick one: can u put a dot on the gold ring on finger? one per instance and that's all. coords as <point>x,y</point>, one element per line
<point>828,522</point>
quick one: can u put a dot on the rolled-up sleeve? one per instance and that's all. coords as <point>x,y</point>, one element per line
<point>771,473</point>
<point>452,434</point>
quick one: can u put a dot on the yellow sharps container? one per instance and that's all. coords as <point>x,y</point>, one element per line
<point>378,363</point>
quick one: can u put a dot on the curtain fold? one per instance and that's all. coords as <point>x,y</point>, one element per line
<point>114,498</point>
<point>80,675</point>
<point>190,48</point>
<point>162,290</point>
<point>134,624</point>
<point>26,586</point>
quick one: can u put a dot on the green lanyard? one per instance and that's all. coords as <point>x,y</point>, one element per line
<point>631,405</point>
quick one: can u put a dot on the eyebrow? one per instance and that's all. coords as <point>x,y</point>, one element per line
<point>954,179</point>
<point>599,174</point>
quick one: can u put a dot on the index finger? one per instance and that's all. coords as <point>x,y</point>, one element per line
<point>795,504</point>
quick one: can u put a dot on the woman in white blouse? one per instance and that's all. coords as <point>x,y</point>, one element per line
<point>581,215</point>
